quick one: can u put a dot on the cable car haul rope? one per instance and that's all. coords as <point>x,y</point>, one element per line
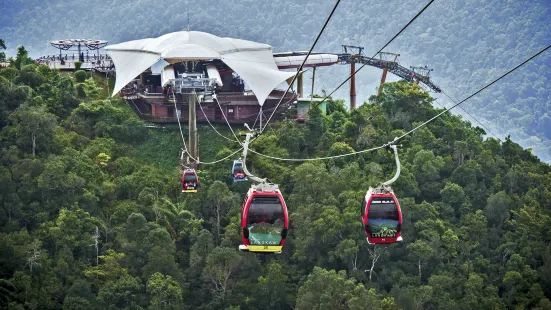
<point>264,221</point>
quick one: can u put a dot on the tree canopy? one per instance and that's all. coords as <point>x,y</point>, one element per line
<point>91,215</point>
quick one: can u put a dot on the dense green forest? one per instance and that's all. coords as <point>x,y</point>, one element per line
<point>467,43</point>
<point>92,216</point>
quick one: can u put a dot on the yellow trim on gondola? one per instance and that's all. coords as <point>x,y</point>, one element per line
<point>189,191</point>
<point>264,248</point>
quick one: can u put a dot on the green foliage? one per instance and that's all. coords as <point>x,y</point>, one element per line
<point>517,106</point>
<point>164,291</point>
<point>22,59</point>
<point>109,270</point>
<point>219,272</point>
<point>7,290</point>
<point>91,90</point>
<point>123,293</point>
<point>2,54</point>
<point>81,93</point>
<point>96,218</point>
<point>274,289</point>
<point>34,127</point>
<point>80,75</point>
<point>330,290</point>
<point>78,64</point>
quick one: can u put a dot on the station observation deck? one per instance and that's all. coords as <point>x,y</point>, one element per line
<point>85,51</point>
<point>101,62</point>
<point>153,99</point>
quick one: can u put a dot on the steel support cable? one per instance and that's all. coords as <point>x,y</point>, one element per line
<point>270,109</point>
<point>487,129</point>
<point>274,108</point>
<point>236,139</point>
<point>302,65</point>
<point>417,127</point>
<point>360,68</point>
<point>221,159</point>
<point>256,120</point>
<point>180,126</point>
<point>229,139</point>
<point>317,158</point>
<point>208,121</point>
<point>184,141</point>
<point>227,122</point>
<point>475,93</point>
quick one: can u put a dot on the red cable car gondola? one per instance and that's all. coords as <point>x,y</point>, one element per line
<point>190,181</point>
<point>382,218</point>
<point>264,219</point>
<point>381,213</point>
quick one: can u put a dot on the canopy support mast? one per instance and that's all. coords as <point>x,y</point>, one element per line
<point>192,127</point>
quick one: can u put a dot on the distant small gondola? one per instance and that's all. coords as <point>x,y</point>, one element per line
<point>264,220</point>
<point>382,217</point>
<point>238,174</point>
<point>190,181</point>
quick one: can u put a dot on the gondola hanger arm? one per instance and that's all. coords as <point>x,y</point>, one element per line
<point>244,156</point>
<point>394,147</point>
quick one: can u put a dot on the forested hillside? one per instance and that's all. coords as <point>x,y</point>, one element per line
<point>92,216</point>
<point>467,42</point>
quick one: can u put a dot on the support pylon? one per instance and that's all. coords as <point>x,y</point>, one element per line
<point>192,150</point>
<point>383,79</point>
<point>299,86</point>
<point>352,86</point>
<point>313,81</point>
<point>356,52</point>
<point>390,59</point>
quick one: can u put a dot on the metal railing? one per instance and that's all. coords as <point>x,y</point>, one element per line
<point>102,62</point>
<point>392,66</point>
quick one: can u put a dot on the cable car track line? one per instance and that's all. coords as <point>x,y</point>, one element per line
<point>208,121</point>
<point>419,126</point>
<point>480,123</point>
<point>302,65</point>
<point>227,122</point>
<point>184,141</point>
<point>317,158</point>
<point>477,92</point>
<point>360,68</point>
<point>229,139</point>
<point>221,159</point>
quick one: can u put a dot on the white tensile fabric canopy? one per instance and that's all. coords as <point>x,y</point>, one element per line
<point>253,61</point>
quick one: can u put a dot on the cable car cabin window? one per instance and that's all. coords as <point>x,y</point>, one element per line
<point>238,167</point>
<point>383,218</point>
<point>189,178</point>
<point>265,221</point>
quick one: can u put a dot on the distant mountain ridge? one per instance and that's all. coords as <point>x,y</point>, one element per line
<point>468,43</point>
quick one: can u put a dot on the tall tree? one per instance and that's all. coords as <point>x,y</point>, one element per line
<point>220,271</point>
<point>2,54</point>
<point>34,127</point>
<point>164,291</point>
<point>220,201</point>
<point>330,290</point>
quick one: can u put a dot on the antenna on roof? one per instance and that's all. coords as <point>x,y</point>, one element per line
<point>187,15</point>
